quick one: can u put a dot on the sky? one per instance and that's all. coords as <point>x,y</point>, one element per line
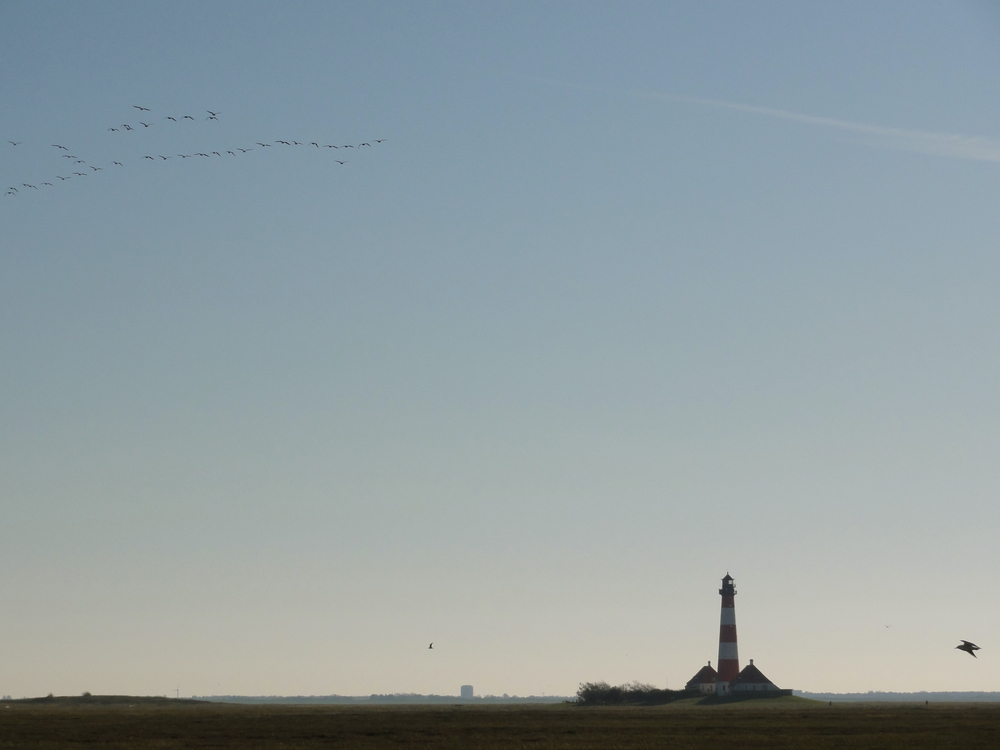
<point>629,296</point>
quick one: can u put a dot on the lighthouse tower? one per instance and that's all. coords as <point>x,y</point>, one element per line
<point>729,660</point>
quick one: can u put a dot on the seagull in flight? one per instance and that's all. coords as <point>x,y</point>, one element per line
<point>969,648</point>
<point>141,109</point>
<point>432,645</point>
<point>56,145</point>
<point>214,114</point>
<point>12,143</point>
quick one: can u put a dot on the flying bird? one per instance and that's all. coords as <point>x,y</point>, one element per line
<point>187,117</point>
<point>141,109</point>
<point>432,645</point>
<point>56,145</point>
<point>145,124</point>
<point>12,143</point>
<point>339,161</point>
<point>969,648</point>
<point>213,114</point>
<point>168,117</point>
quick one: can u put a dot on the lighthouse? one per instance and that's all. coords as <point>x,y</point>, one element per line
<point>729,660</point>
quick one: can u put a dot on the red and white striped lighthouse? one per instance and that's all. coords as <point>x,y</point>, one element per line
<point>729,660</point>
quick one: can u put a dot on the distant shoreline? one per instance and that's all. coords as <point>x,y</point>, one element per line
<point>384,699</point>
<point>874,696</point>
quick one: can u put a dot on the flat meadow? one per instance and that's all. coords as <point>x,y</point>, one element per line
<point>141,724</point>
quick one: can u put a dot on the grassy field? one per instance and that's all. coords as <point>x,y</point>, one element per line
<point>139,724</point>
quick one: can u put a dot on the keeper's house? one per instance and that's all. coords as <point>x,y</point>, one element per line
<point>751,679</point>
<point>704,681</point>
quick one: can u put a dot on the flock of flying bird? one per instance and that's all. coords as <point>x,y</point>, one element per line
<point>77,167</point>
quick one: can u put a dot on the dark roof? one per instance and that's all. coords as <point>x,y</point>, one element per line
<point>705,674</point>
<point>751,675</point>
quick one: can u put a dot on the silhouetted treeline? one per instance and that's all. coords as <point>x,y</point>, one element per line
<point>629,694</point>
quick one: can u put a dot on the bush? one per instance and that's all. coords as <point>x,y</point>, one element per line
<point>631,693</point>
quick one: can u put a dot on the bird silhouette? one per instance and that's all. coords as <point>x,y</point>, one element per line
<point>141,109</point>
<point>12,143</point>
<point>969,648</point>
<point>56,145</point>
<point>432,645</point>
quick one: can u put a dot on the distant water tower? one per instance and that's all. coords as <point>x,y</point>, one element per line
<point>729,659</point>
<point>467,691</point>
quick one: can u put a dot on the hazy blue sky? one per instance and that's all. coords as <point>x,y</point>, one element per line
<point>630,296</point>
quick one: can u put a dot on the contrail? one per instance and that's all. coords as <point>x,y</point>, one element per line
<point>973,148</point>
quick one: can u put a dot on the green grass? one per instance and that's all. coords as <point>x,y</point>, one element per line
<point>788,722</point>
